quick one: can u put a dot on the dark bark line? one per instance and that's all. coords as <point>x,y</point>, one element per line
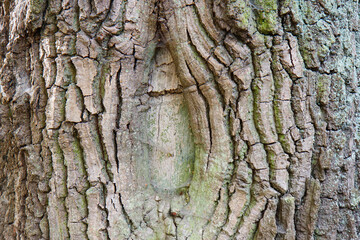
<point>89,96</point>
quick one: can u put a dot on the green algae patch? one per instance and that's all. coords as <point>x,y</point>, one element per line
<point>323,89</point>
<point>267,16</point>
<point>240,11</point>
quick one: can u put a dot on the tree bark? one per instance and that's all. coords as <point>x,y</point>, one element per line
<point>179,119</point>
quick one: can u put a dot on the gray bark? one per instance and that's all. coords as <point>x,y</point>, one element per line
<point>179,119</point>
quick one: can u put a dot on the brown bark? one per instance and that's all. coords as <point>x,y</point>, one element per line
<point>179,119</point>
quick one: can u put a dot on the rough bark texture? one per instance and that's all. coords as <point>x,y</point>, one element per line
<point>179,119</point>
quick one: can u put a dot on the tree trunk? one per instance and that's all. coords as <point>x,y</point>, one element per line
<point>179,119</point>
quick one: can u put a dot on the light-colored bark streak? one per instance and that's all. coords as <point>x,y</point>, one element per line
<point>267,228</point>
<point>118,227</point>
<point>56,208</point>
<point>77,183</point>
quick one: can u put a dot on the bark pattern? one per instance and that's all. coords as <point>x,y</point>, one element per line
<point>179,119</point>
